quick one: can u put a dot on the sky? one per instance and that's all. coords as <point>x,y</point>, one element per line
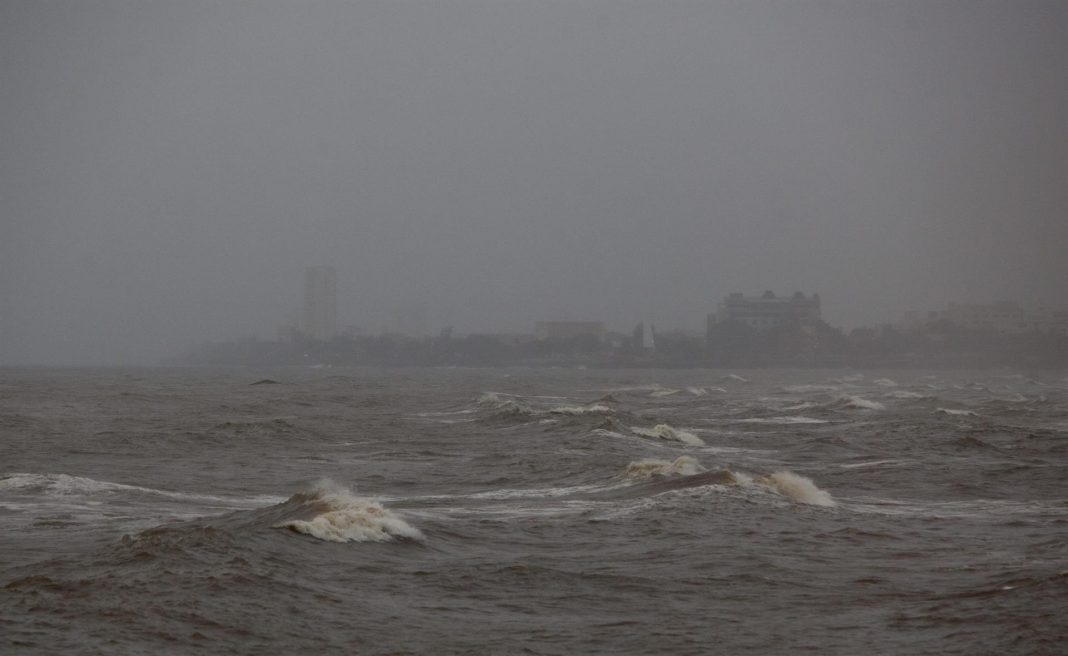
<point>169,169</point>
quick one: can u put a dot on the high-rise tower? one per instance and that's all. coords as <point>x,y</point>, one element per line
<point>320,303</point>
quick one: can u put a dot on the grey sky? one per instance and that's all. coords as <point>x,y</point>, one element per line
<point>168,169</point>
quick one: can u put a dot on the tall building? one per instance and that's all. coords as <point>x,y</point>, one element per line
<point>320,303</point>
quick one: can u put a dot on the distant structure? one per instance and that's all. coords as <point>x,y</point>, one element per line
<point>767,311</point>
<point>320,303</point>
<point>568,330</point>
<point>1002,317</point>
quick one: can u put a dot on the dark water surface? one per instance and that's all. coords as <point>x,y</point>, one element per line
<point>538,511</point>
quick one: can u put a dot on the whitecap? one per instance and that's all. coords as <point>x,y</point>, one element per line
<point>798,488</point>
<point>860,403</point>
<point>345,517</point>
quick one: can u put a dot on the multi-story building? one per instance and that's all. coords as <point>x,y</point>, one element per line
<point>1002,317</point>
<point>320,303</point>
<point>767,311</point>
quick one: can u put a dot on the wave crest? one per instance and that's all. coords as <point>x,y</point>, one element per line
<point>860,403</point>
<point>340,516</point>
<point>681,466</point>
<point>798,488</point>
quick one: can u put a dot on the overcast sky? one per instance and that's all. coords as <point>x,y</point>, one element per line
<point>168,169</point>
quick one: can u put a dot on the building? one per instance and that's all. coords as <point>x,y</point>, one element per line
<point>766,312</point>
<point>568,330</point>
<point>320,303</point>
<point>1002,317</point>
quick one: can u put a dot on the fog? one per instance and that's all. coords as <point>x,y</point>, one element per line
<point>168,170</point>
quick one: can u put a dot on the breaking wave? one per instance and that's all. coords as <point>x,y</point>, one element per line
<point>798,488</point>
<point>337,515</point>
<point>660,476</point>
<point>666,432</point>
<point>502,405</point>
<point>681,466</point>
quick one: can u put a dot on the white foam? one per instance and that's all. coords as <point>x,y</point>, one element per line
<point>665,391</point>
<point>697,391</point>
<point>576,410</point>
<point>66,485</point>
<point>681,466</point>
<point>957,413</point>
<point>666,432</point>
<point>884,382</point>
<point>734,377</point>
<point>860,403</point>
<point>798,488</point>
<point>904,394</point>
<point>348,518</point>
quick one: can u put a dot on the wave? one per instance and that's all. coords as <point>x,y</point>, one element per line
<point>661,476</point>
<point>666,432</point>
<point>798,488</point>
<point>808,389</point>
<point>514,407</point>
<point>884,382</point>
<point>65,485</point>
<point>782,420</point>
<point>859,403</point>
<point>957,413</point>
<point>681,466</point>
<point>733,378</point>
<point>578,410</point>
<point>905,394</point>
<point>340,516</point>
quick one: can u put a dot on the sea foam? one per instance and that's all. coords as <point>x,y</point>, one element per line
<point>798,488</point>
<point>344,517</point>
<point>860,403</point>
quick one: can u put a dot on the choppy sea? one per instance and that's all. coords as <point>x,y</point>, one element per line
<point>532,511</point>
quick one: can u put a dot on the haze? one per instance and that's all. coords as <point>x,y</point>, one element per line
<point>168,170</point>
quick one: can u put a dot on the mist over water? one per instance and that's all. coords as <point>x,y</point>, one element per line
<point>542,510</point>
<point>169,170</point>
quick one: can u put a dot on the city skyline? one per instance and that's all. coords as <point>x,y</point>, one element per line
<point>169,172</point>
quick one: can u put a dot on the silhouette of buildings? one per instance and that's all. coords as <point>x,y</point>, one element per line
<point>320,303</point>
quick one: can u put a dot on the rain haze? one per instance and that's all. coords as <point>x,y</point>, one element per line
<point>168,170</point>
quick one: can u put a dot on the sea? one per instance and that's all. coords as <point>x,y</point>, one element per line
<point>323,510</point>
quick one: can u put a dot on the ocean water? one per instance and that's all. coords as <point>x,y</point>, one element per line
<point>532,511</point>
